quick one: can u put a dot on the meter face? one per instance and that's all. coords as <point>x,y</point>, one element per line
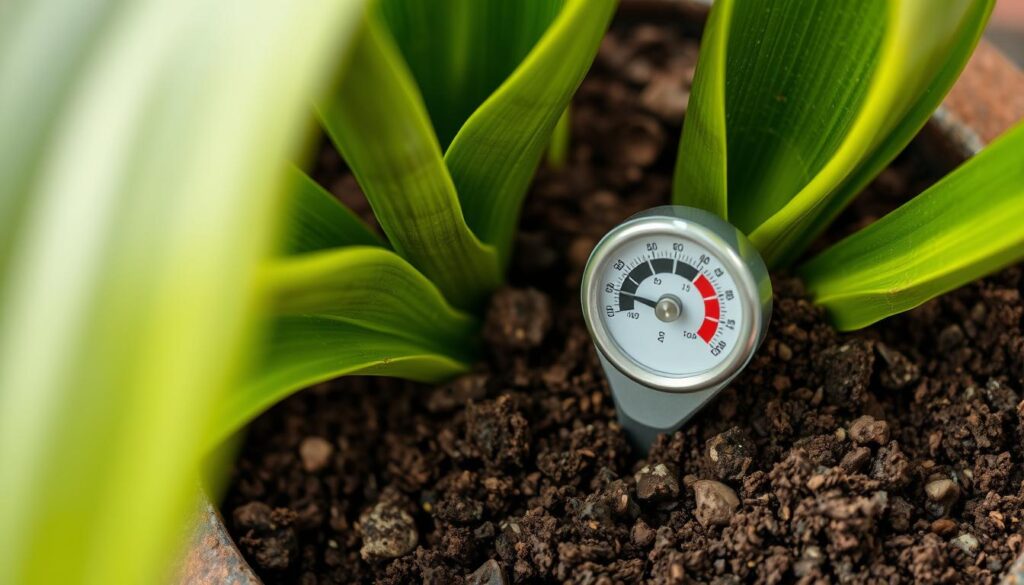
<point>669,303</point>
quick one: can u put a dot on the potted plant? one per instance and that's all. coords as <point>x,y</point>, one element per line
<point>528,539</point>
<point>531,479</point>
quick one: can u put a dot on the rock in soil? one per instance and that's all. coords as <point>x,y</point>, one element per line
<point>868,431</point>
<point>388,533</point>
<point>967,543</point>
<point>656,482</point>
<point>715,502</point>
<point>942,494</point>
<point>315,453</point>
<point>489,573</point>
<point>523,465</point>
<point>730,454</point>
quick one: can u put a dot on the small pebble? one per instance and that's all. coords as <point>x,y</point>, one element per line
<point>942,495</point>
<point>966,542</point>
<point>656,482</point>
<point>943,526</point>
<point>489,573</point>
<point>784,352</point>
<point>730,454</point>
<point>866,430</point>
<point>856,459</point>
<point>891,467</point>
<point>315,453</point>
<point>815,483</point>
<point>642,534</point>
<point>388,532</point>
<point>715,502</point>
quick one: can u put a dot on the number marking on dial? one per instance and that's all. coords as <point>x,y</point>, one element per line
<point>648,267</point>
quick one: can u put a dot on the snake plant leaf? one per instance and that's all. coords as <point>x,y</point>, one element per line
<point>914,71</point>
<point>351,310</point>
<point>817,98</point>
<point>45,32</point>
<point>374,288</point>
<point>378,121</point>
<point>963,227</point>
<point>493,157</point>
<point>700,178</point>
<point>306,350</point>
<point>779,91</point>
<point>460,51</point>
<point>318,221</point>
<point>147,203</point>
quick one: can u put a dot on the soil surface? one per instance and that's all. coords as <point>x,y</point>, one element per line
<point>889,455</point>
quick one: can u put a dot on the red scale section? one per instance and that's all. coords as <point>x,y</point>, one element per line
<point>707,330</point>
<point>705,288</point>
<point>711,309</point>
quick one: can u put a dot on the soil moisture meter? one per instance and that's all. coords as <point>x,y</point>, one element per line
<point>677,301</point>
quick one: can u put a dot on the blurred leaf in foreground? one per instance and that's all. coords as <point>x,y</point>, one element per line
<point>148,140</point>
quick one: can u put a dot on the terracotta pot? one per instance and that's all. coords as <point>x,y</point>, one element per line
<point>986,100</point>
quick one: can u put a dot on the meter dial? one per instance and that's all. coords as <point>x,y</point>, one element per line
<point>676,299</point>
<point>670,304</point>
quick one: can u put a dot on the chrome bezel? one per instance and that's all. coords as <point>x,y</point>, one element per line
<point>752,326</point>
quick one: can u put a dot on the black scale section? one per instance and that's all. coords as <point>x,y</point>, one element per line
<point>643,270</point>
<point>625,302</point>
<point>686,271</point>
<point>638,274</point>
<point>663,265</point>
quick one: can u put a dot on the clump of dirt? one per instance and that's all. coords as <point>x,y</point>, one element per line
<point>889,455</point>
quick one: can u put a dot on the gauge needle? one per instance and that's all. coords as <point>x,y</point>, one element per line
<point>648,302</point>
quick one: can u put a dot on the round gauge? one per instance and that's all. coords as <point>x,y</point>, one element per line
<point>672,302</point>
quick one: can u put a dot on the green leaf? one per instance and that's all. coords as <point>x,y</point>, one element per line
<point>62,37</point>
<point>813,99</point>
<point>379,123</point>
<point>303,351</point>
<point>352,310</point>
<point>493,157</point>
<point>147,201</point>
<point>779,93</point>
<point>928,99</point>
<point>700,177</point>
<point>960,229</point>
<point>318,221</point>
<point>373,288</point>
<point>460,51</point>
<point>922,53</point>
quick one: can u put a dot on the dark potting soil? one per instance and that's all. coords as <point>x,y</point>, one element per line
<point>891,454</point>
